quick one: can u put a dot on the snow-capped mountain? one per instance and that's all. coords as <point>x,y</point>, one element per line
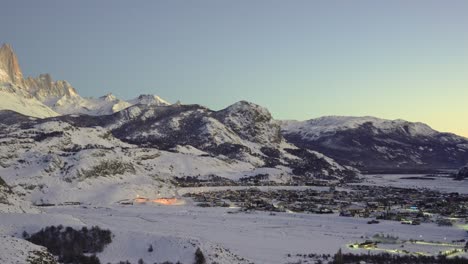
<point>243,132</point>
<point>323,126</point>
<point>56,146</point>
<point>148,99</point>
<point>371,143</point>
<point>242,123</point>
<point>43,97</point>
<point>13,93</point>
<point>140,150</point>
<point>103,105</point>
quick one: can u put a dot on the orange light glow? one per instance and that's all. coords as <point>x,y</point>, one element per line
<point>163,201</point>
<point>166,201</point>
<point>141,200</point>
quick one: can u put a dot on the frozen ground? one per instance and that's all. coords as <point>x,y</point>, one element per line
<point>227,235</point>
<point>176,231</point>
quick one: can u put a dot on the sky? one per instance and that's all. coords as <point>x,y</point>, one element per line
<point>300,59</point>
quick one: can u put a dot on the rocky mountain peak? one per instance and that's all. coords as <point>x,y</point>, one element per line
<point>251,122</point>
<point>109,97</point>
<point>10,70</point>
<point>149,99</point>
<point>45,88</point>
<point>250,109</point>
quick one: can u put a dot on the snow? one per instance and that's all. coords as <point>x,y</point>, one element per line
<point>15,204</point>
<point>17,251</point>
<point>105,105</point>
<point>189,150</point>
<point>64,100</point>
<point>149,99</point>
<point>245,107</point>
<point>51,173</point>
<point>26,106</point>
<point>55,96</point>
<point>315,128</point>
<point>48,175</point>
<point>176,231</point>
<point>218,132</point>
<point>252,122</point>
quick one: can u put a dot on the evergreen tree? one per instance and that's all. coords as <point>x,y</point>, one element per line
<point>199,257</point>
<point>338,259</point>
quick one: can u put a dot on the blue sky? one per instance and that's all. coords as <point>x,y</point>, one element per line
<point>300,59</point>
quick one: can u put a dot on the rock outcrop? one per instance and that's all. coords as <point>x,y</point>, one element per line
<point>10,71</point>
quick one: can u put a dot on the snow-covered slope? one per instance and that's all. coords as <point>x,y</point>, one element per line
<point>316,128</point>
<point>374,144</point>
<point>29,106</point>
<point>140,150</point>
<point>104,105</point>
<point>243,131</point>
<point>15,251</point>
<point>148,99</point>
<point>10,202</point>
<point>252,122</point>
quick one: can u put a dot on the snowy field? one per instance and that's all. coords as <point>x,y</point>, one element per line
<point>439,182</point>
<point>226,235</point>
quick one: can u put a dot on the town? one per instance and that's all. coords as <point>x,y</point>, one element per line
<point>409,206</point>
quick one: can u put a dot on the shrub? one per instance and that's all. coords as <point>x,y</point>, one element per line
<point>107,168</point>
<point>199,257</point>
<point>70,245</point>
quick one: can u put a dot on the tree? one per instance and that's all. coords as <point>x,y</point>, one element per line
<point>338,259</point>
<point>199,257</point>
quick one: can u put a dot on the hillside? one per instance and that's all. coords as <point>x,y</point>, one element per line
<point>374,144</point>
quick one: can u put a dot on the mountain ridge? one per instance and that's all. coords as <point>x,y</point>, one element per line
<point>45,97</point>
<point>358,120</point>
<point>148,120</point>
<point>374,144</point>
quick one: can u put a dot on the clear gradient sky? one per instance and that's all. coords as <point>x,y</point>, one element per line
<point>301,59</point>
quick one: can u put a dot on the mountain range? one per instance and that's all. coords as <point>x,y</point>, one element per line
<point>57,146</point>
<point>378,145</point>
<point>43,97</point>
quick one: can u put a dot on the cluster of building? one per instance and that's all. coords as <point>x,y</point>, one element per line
<point>410,206</point>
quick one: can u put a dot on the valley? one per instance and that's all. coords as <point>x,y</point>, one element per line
<point>232,234</point>
<point>183,183</point>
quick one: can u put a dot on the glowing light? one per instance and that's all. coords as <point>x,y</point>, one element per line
<point>163,201</point>
<point>167,201</point>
